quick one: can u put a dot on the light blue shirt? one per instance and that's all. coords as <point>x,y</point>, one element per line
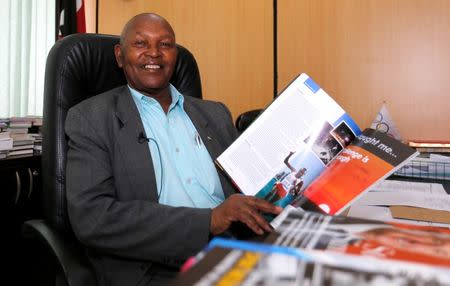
<point>185,173</point>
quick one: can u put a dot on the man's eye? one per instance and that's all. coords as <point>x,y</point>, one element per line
<point>139,44</point>
<point>166,44</point>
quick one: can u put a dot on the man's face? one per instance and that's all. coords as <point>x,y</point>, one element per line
<point>148,55</point>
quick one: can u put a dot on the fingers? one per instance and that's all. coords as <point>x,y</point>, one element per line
<point>246,209</point>
<point>265,206</point>
<point>256,222</point>
<point>254,219</point>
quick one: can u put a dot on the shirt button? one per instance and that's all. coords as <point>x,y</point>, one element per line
<point>188,181</point>
<point>177,150</point>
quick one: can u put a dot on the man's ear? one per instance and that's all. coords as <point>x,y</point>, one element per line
<point>118,54</point>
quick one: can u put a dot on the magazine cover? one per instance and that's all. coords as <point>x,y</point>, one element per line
<point>371,157</point>
<point>289,144</point>
<point>232,262</point>
<point>424,245</point>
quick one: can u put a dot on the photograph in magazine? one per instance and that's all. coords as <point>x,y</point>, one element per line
<point>393,241</point>
<point>300,168</point>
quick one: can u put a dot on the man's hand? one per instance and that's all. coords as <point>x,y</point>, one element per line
<point>246,209</point>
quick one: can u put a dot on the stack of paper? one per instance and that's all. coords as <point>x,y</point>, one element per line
<point>417,202</point>
<point>434,166</point>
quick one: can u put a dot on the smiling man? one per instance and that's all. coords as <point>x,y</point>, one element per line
<point>141,207</point>
<point>148,53</point>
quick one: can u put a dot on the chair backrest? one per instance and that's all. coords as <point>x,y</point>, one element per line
<point>80,66</point>
<point>245,119</point>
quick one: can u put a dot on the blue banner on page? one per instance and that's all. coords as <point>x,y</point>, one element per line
<point>313,86</point>
<point>257,247</point>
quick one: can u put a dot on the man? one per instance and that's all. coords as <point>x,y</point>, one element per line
<point>293,182</point>
<point>142,209</point>
<point>288,187</point>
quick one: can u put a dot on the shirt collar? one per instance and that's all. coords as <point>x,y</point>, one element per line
<point>177,97</point>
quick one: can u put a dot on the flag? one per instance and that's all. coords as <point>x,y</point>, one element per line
<point>383,122</point>
<point>70,17</point>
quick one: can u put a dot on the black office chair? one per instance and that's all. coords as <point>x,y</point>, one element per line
<point>79,66</point>
<point>246,118</point>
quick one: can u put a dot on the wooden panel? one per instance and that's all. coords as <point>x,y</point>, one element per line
<point>367,52</point>
<point>90,14</point>
<point>231,40</point>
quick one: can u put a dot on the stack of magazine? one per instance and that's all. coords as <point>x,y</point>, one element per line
<point>309,248</point>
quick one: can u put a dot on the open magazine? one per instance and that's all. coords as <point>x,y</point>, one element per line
<point>304,149</point>
<point>421,245</point>
<point>232,262</point>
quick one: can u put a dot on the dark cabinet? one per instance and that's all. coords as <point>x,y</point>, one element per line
<point>20,185</point>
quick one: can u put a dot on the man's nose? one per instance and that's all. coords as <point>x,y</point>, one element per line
<point>153,51</point>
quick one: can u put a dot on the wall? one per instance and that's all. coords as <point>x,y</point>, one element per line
<point>231,40</point>
<point>363,53</point>
<point>90,7</point>
<point>366,52</point>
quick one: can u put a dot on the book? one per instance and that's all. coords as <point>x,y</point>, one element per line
<point>304,149</point>
<point>5,135</point>
<point>20,152</point>
<point>430,146</point>
<point>6,143</point>
<point>232,262</point>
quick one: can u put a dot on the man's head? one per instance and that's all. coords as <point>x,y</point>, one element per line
<point>300,173</point>
<point>147,53</point>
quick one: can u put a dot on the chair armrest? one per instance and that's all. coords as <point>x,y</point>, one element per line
<point>68,255</point>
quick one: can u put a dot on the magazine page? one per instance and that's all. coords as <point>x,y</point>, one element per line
<point>371,157</point>
<point>232,262</point>
<point>289,144</point>
<point>419,245</point>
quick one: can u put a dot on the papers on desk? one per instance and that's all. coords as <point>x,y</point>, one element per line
<point>414,202</point>
<point>407,198</point>
<point>394,185</point>
<point>434,166</point>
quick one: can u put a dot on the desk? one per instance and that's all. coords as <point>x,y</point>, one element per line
<point>20,178</point>
<point>21,190</point>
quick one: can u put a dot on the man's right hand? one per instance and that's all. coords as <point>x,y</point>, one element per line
<point>246,209</point>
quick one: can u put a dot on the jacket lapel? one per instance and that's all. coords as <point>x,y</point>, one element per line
<point>135,155</point>
<point>211,138</point>
<point>201,124</point>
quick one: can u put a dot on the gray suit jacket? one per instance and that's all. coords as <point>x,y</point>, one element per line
<point>111,189</point>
